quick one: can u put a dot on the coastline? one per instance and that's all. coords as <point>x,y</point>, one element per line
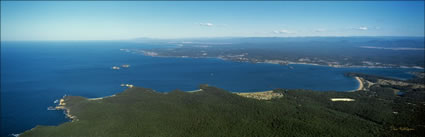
<point>99,98</point>
<point>361,86</point>
<point>258,95</point>
<point>292,99</point>
<point>62,106</point>
<point>286,62</point>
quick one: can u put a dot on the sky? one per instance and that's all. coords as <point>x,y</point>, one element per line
<point>113,20</point>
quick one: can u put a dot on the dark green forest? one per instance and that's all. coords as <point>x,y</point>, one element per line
<point>140,112</point>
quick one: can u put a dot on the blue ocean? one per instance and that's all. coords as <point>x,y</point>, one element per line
<point>35,74</point>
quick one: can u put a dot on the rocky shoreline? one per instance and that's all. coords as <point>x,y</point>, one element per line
<point>62,106</point>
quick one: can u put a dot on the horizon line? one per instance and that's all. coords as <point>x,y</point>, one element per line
<point>154,38</point>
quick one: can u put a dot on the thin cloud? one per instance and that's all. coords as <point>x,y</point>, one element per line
<point>284,31</point>
<point>206,24</point>
<point>364,28</point>
<point>320,30</point>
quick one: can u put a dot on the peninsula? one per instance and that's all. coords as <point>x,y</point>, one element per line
<point>375,110</point>
<point>325,51</point>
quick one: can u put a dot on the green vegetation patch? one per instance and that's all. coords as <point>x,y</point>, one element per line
<point>140,112</point>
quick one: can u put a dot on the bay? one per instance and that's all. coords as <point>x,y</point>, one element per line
<point>35,74</point>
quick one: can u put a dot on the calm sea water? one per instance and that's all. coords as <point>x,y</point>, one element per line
<point>34,74</point>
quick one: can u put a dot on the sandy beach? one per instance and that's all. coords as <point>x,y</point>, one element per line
<point>99,98</point>
<point>360,84</point>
